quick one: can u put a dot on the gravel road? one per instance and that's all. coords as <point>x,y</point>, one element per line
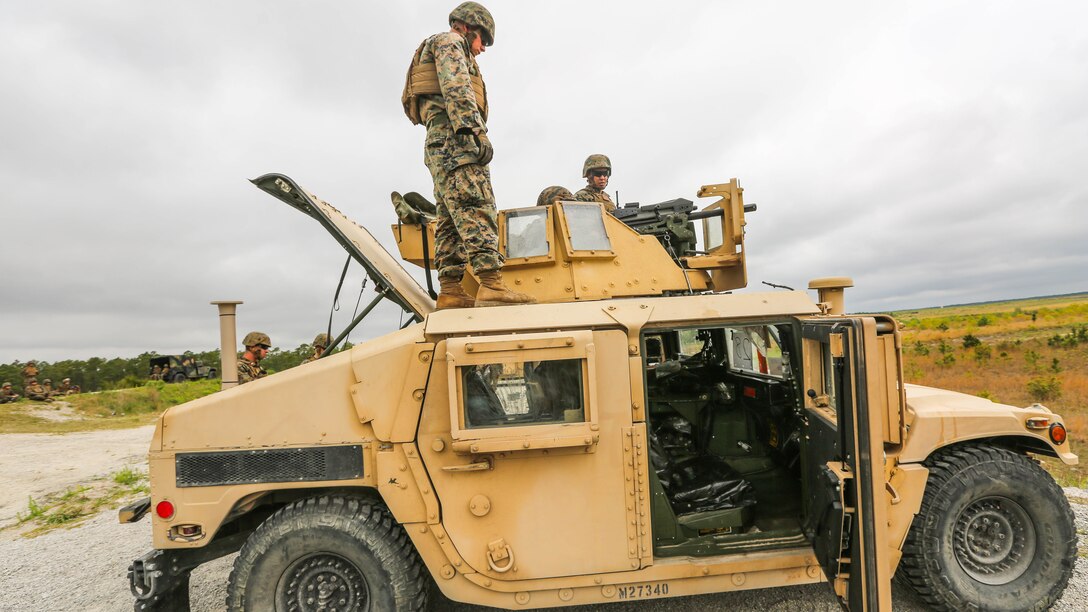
<point>83,568</point>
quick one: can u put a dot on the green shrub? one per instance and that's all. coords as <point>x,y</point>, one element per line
<point>33,511</point>
<point>920,349</point>
<point>983,321</point>
<point>982,353</point>
<point>946,361</point>
<point>1044,388</point>
<point>970,341</point>
<point>127,477</point>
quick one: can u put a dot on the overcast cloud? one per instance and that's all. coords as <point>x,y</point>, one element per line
<point>930,150</point>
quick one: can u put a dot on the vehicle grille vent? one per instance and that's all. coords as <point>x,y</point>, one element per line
<point>278,465</point>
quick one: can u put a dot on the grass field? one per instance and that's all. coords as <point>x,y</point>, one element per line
<point>1016,352</point>
<point>103,410</point>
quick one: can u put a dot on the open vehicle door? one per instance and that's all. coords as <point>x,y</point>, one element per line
<point>390,279</point>
<point>843,479</point>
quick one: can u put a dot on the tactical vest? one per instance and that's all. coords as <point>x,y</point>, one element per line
<point>422,80</point>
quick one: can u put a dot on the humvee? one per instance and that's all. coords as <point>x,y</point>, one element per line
<point>180,368</point>
<point>644,431</point>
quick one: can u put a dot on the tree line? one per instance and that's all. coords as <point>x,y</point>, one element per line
<point>100,374</point>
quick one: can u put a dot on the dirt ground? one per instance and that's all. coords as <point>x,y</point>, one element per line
<point>32,465</point>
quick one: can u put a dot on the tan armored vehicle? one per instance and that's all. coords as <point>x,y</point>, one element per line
<point>639,433</point>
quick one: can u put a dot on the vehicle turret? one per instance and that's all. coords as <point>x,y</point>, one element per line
<point>570,251</point>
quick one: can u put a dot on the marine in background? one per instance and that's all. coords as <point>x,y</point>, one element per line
<point>596,170</point>
<point>7,394</point>
<point>34,391</point>
<point>67,388</point>
<point>445,91</point>
<point>30,370</point>
<point>552,194</point>
<point>47,384</point>
<point>249,364</point>
<point>321,341</point>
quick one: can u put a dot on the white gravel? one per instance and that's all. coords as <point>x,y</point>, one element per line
<point>83,568</point>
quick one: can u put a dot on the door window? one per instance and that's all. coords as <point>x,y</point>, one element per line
<point>523,393</point>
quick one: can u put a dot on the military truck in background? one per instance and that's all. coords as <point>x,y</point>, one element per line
<point>181,368</point>
<point>644,431</point>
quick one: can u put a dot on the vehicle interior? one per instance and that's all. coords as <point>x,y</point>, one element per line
<point>725,426</point>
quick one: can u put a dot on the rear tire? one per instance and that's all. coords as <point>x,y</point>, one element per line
<point>328,553</point>
<point>180,378</point>
<point>995,532</point>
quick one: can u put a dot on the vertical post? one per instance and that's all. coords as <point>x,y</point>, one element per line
<point>228,342</point>
<point>830,291</point>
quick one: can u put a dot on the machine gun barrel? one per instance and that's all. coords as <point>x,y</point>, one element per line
<point>717,212</point>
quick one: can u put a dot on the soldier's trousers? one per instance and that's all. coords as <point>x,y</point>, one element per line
<point>467,221</point>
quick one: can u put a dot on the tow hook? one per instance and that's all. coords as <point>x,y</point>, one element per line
<point>159,582</point>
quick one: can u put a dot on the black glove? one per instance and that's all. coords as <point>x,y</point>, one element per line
<point>484,144</point>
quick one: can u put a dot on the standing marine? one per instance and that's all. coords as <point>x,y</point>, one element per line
<point>320,342</point>
<point>7,394</point>
<point>249,364</point>
<point>30,370</point>
<point>596,171</point>
<point>445,91</point>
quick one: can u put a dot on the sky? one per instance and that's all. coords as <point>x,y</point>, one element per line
<point>929,150</point>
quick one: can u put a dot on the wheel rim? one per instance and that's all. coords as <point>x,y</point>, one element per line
<point>994,540</point>
<point>322,582</point>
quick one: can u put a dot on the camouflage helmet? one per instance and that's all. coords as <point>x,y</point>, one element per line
<point>48,381</point>
<point>474,14</point>
<point>596,162</point>
<point>553,193</point>
<point>321,340</point>
<point>256,338</point>
<point>64,380</point>
<point>5,385</point>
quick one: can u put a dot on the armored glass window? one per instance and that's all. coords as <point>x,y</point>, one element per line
<point>523,393</point>
<point>755,350</point>
<point>712,233</point>
<point>526,233</point>
<point>586,225</point>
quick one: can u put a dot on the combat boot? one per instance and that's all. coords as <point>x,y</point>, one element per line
<point>493,292</point>
<point>452,295</point>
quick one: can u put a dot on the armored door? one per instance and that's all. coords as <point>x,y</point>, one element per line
<point>529,444</point>
<point>844,485</point>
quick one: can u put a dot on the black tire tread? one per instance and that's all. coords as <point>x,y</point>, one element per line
<point>386,538</point>
<point>946,468</point>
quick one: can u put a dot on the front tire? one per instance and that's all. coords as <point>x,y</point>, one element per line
<point>995,532</point>
<point>328,553</point>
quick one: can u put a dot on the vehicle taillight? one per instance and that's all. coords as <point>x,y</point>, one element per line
<point>164,509</point>
<point>1057,433</point>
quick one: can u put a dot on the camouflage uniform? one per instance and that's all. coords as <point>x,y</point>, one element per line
<point>249,371</point>
<point>36,392</point>
<point>30,371</point>
<point>65,387</point>
<point>589,193</point>
<point>467,227</point>
<point>553,193</point>
<point>7,395</point>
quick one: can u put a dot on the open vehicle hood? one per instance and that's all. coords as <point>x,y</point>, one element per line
<point>389,277</point>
